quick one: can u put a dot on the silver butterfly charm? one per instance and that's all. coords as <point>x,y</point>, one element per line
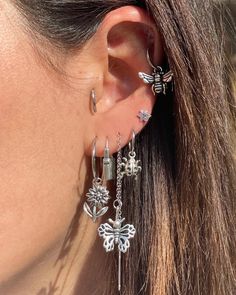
<point>116,234</point>
<point>159,79</point>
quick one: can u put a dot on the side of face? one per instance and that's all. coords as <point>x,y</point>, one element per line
<point>47,128</point>
<point>40,150</point>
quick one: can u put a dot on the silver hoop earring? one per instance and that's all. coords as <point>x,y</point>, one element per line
<point>130,166</point>
<point>94,101</point>
<point>98,195</point>
<point>159,79</point>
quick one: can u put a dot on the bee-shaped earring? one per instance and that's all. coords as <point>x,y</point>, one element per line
<point>159,78</point>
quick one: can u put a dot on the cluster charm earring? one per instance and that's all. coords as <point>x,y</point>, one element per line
<point>98,195</point>
<point>130,166</point>
<point>114,233</point>
<point>159,78</point>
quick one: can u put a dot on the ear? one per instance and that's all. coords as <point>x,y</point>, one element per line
<point>118,50</point>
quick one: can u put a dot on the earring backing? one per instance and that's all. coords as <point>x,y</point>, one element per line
<point>159,78</point>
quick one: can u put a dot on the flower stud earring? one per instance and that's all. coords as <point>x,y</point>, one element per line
<point>144,116</point>
<point>159,78</point>
<point>98,195</point>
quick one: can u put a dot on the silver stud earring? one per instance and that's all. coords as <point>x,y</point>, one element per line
<point>98,195</point>
<point>159,78</point>
<point>114,233</point>
<point>144,116</point>
<point>130,166</point>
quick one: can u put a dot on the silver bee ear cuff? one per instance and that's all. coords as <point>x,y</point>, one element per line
<point>159,79</point>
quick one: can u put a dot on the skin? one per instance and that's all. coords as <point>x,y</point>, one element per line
<point>46,134</point>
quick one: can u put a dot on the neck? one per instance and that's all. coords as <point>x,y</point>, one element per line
<point>69,266</point>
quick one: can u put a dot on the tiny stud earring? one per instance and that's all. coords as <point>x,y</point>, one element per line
<point>94,101</point>
<point>144,116</point>
<point>159,78</point>
<point>98,195</point>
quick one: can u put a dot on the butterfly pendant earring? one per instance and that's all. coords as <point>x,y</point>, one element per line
<point>113,232</point>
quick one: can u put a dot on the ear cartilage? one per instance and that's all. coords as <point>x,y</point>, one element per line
<point>159,79</point>
<point>144,116</point>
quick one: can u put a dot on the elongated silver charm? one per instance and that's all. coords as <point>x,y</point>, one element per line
<point>159,78</point>
<point>98,195</point>
<point>108,164</point>
<point>130,166</point>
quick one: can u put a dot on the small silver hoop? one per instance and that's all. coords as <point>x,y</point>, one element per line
<point>132,142</point>
<point>94,168</point>
<point>117,204</point>
<point>151,64</point>
<point>94,100</point>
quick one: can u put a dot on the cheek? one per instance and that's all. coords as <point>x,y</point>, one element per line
<point>37,182</point>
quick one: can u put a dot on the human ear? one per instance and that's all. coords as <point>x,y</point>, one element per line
<point>119,49</point>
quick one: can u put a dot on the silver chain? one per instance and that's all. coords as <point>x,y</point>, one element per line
<point>117,204</point>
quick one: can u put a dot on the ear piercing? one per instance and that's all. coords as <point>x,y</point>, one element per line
<point>159,78</point>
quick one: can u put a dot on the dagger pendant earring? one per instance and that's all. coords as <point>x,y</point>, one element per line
<point>159,78</point>
<point>98,195</point>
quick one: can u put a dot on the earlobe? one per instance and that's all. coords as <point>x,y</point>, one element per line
<point>125,103</point>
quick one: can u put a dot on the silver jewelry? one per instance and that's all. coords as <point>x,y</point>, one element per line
<point>94,101</point>
<point>108,164</point>
<point>131,166</point>
<point>98,195</point>
<point>113,232</point>
<point>144,116</point>
<point>159,78</point>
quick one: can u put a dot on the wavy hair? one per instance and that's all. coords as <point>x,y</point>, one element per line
<point>184,203</point>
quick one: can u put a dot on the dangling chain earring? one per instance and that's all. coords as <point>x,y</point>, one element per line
<point>131,166</point>
<point>98,195</point>
<point>113,232</point>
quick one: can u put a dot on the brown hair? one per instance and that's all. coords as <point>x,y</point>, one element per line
<point>184,204</point>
